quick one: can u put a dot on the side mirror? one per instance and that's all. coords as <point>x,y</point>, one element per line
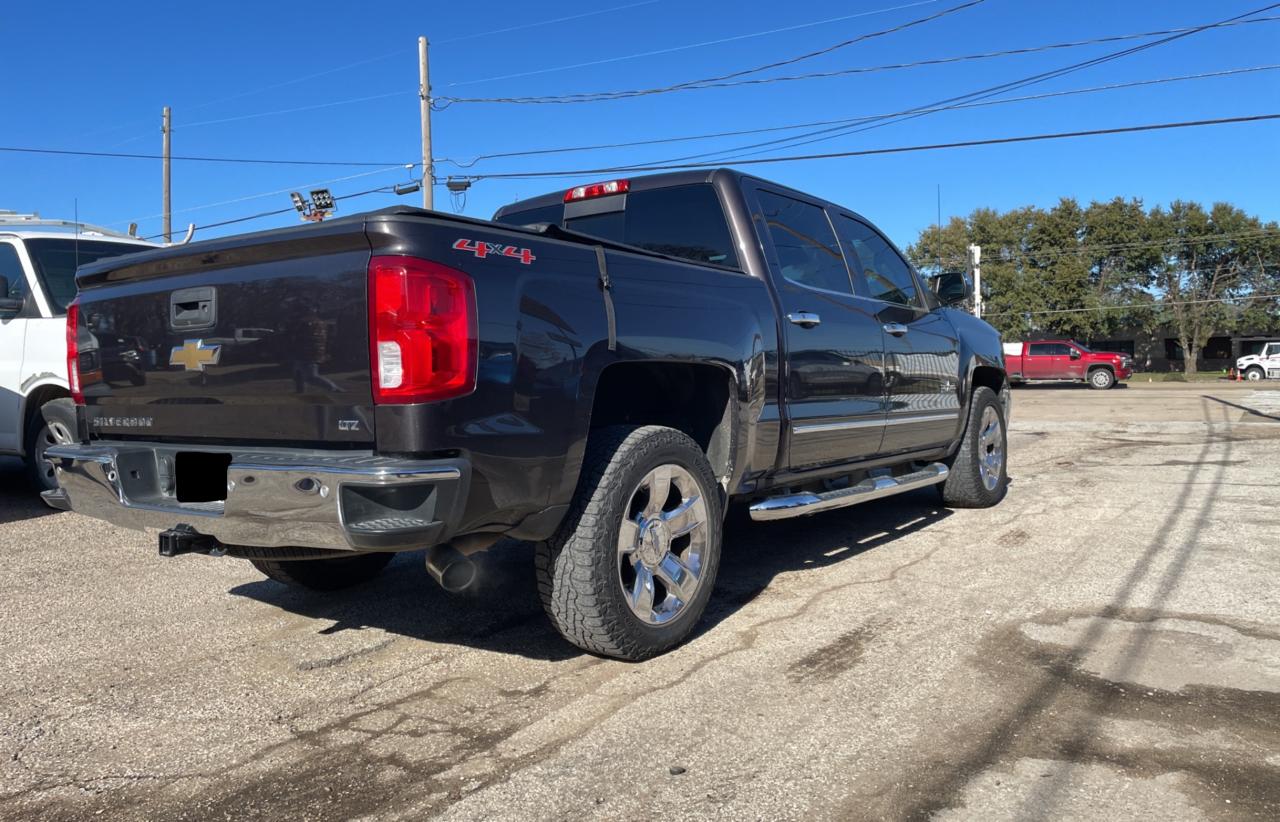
<point>8,307</point>
<point>1075,353</point>
<point>952,288</point>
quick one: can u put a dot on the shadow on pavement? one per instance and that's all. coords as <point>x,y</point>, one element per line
<point>1145,585</point>
<point>504,614</point>
<point>17,500</point>
<point>1061,386</point>
<point>1250,411</point>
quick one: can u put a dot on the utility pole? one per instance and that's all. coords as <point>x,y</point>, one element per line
<point>424,98</point>
<point>166,128</point>
<point>975,266</point>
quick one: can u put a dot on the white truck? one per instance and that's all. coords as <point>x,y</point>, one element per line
<point>38,260</point>
<point>1265,365</point>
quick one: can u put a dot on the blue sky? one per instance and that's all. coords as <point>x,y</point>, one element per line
<point>92,76</point>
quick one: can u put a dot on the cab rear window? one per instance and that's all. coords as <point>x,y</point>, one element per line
<point>681,221</point>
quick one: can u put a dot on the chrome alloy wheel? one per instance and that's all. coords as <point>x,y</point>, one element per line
<point>661,544</point>
<point>990,448</point>
<point>53,433</point>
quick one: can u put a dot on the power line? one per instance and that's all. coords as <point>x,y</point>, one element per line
<point>365,62</point>
<point>1000,257</point>
<point>253,161</point>
<point>875,151</point>
<point>822,135</point>
<point>599,96</point>
<point>1131,306</point>
<point>524,26</point>
<point>705,43</point>
<point>246,198</point>
<point>796,59</point>
<point>260,215</point>
<point>852,120</point>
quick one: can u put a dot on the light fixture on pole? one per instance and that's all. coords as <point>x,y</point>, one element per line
<point>317,208</point>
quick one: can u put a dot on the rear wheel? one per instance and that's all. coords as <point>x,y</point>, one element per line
<point>324,574</point>
<point>1254,373</point>
<point>979,475</point>
<point>632,568</point>
<point>42,434</point>
<point>1101,379</point>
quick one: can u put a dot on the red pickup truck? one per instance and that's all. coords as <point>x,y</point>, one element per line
<point>1064,360</point>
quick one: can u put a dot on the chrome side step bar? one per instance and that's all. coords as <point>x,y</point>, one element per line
<point>806,502</point>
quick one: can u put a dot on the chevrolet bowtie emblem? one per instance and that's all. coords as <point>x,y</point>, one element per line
<point>194,355</point>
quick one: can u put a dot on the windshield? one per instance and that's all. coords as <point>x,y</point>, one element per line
<point>1084,348</point>
<point>55,261</point>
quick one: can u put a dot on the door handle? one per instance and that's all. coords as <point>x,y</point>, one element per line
<point>896,329</point>
<point>804,319</point>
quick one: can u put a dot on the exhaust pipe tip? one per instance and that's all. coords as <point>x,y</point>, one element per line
<point>452,570</point>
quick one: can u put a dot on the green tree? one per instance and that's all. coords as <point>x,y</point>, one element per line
<point>1191,270</point>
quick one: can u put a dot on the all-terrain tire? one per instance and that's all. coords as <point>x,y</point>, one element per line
<point>324,574</point>
<point>969,485</point>
<point>577,570</point>
<point>1101,379</point>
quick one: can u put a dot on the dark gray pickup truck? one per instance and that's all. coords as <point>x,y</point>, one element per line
<point>600,371</point>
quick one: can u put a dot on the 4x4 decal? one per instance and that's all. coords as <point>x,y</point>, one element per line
<point>482,250</point>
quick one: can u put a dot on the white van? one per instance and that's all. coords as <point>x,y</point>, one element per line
<point>38,260</point>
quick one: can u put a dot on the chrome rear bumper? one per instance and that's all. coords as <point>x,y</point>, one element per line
<point>353,501</point>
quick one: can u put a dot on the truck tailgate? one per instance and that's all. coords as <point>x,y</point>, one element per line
<point>251,338</point>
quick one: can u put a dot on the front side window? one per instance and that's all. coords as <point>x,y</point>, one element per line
<point>11,270</point>
<point>1272,350</point>
<point>808,252</point>
<point>56,259</point>
<point>888,276</point>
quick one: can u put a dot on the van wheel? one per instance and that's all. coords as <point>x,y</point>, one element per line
<point>979,472</point>
<point>324,574</point>
<point>631,570</point>
<point>42,434</point>
<point>1101,379</point>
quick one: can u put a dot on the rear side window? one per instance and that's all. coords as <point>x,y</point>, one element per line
<point>686,221</point>
<point>807,249</point>
<point>56,261</point>
<point>545,214</point>
<point>682,221</point>
<point>888,276</point>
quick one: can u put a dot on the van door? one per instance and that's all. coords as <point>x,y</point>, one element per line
<point>834,373</point>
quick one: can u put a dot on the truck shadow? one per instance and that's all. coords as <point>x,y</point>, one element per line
<point>17,500</point>
<point>503,613</point>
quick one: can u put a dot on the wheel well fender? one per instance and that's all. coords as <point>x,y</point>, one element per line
<point>33,402</point>
<point>699,399</point>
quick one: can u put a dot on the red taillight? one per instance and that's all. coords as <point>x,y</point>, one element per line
<point>422,331</point>
<point>597,190</point>
<point>73,352</point>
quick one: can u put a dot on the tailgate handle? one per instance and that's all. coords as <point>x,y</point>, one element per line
<point>191,309</point>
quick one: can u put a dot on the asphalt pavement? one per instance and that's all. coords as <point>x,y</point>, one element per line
<point>1105,644</point>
